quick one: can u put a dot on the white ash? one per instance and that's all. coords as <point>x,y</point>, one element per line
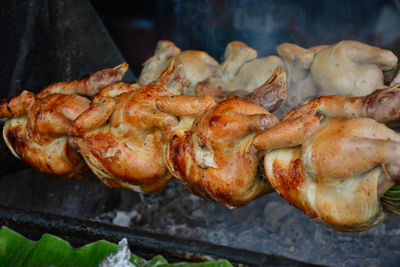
<point>119,258</point>
<point>123,218</point>
<point>268,224</point>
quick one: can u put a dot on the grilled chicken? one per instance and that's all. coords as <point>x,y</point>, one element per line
<point>38,128</point>
<point>197,65</point>
<point>121,136</point>
<point>240,73</point>
<point>236,54</point>
<point>215,157</point>
<point>347,68</point>
<point>212,154</point>
<point>156,65</point>
<point>333,169</point>
<point>252,74</point>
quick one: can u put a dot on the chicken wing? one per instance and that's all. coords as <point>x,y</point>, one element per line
<point>382,105</point>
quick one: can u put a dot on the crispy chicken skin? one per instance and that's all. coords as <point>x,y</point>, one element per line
<point>90,85</point>
<point>348,68</point>
<point>214,157</point>
<point>334,169</point>
<point>212,154</point>
<point>39,126</point>
<point>124,144</point>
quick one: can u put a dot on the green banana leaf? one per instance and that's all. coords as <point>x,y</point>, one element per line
<point>16,250</point>
<point>389,72</point>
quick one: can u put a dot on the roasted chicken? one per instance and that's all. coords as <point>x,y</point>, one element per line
<point>347,68</point>
<point>197,65</point>
<point>213,155</point>
<point>156,65</point>
<point>39,126</point>
<point>333,159</point>
<point>236,54</point>
<point>240,73</point>
<point>121,136</point>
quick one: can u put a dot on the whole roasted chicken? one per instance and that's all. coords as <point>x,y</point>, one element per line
<point>334,159</point>
<point>240,73</point>
<point>348,68</point>
<point>39,126</point>
<point>212,154</point>
<point>197,65</point>
<point>153,67</point>
<point>121,136</point>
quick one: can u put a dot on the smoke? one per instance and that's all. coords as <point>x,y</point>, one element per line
<point>210,25</point>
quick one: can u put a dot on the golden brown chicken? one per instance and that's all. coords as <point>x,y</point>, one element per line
<point>336,168</point>
<point>123,133</point>
<point>212,154</point>
<point>348,68</point>
<point>39,126</point>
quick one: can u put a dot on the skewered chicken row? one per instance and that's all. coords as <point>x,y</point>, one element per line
<point>336,168</point>
<point>347,68</point>
<point>213,156</point>
<point>123,133</point>
<point>38,128</point>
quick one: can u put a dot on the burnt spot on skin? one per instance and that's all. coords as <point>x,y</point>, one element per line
<point>15,139</point>
<point>7,103</point>
<point>288,180</point>
<point>177,156</point>
<point>99,144</point>
<point>214,120</point>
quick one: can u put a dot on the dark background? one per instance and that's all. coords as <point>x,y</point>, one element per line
<point>136,26</point>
